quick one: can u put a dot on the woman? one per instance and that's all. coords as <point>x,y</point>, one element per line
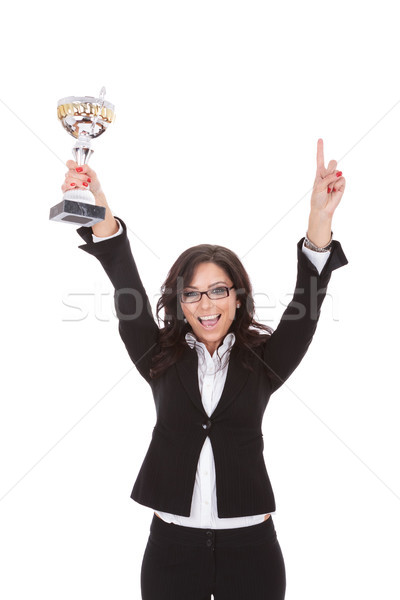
<point>212,369</point>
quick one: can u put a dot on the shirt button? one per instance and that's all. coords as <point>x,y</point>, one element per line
<point>205,472</point>
<point>205,501</point>
<point>207,424</point>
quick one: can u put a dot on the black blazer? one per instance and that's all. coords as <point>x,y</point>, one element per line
<point>167,475</point>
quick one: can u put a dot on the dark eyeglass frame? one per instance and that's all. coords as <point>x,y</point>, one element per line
<point>207,292</point>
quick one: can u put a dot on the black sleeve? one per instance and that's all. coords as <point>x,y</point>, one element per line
<point>285,348</point>
<point>137,326</point>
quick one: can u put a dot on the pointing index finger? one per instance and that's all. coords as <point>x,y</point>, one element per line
<point>320,156</point>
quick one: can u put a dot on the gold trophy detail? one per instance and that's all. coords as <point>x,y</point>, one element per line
<point>85,118</point>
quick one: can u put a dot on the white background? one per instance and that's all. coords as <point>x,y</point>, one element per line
<point>219,107</point>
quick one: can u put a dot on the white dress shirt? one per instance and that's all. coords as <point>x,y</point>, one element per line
<point>212,376</point>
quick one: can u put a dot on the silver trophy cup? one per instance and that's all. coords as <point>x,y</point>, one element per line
<point>84,118</point>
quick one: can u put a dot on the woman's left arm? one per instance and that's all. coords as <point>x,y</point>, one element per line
<point>285,348</point>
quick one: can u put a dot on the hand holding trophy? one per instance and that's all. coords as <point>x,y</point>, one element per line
<point>84,118</point>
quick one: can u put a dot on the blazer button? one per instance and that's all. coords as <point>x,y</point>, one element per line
<point>207,424</point>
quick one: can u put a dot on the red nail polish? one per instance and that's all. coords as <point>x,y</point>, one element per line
<point>85,184</point>
<point>329,190</point>
<point>72,184</point>
<point>89,180</point>
<point>79,169</point>
<point>339,173</point>
<point>334,190</point>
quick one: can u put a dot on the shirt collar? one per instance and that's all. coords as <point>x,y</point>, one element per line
<point>228,342</point>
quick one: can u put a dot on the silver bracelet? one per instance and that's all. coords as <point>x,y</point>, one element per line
<point>311,246</point>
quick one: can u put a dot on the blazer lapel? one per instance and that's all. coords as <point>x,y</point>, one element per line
<point>236,378</point>
<point>187,367</point>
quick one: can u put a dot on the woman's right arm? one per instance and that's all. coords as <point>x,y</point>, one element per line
<point>137,326</point>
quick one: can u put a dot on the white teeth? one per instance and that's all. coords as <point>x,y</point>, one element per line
<point>209,317</point>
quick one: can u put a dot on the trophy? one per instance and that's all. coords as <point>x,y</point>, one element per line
<point>84,118</point>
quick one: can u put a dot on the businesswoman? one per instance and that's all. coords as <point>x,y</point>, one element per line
<point>212,369</point>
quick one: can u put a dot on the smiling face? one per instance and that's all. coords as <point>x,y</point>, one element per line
<point>208,276</point>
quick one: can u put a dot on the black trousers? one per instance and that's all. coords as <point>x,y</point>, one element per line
<point>190,563</point>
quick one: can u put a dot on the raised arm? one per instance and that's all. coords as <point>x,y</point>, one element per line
<point>137,326</point>
<point>284,350</point>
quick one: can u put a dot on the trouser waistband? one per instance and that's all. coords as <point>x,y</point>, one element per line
<point>195,536</point>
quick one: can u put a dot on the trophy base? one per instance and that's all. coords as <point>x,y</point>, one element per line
<point>77,213</point>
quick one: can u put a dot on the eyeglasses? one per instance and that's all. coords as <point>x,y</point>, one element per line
<point>215,294</point>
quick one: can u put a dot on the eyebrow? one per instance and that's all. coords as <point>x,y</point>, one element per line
<point>211,284</point>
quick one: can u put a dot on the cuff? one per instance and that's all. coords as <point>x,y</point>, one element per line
<point>318,259</point>
<point>97,239</point>
<point>110,246</point>
<point>336,258</point>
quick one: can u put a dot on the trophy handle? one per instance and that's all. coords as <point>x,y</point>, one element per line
<point>82,151</point>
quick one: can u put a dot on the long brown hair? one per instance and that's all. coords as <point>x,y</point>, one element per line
<point>172,335</point>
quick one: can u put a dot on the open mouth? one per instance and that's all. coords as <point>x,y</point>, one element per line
<point>209,323</point>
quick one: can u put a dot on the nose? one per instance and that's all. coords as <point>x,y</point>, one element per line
<point>206,302</point>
